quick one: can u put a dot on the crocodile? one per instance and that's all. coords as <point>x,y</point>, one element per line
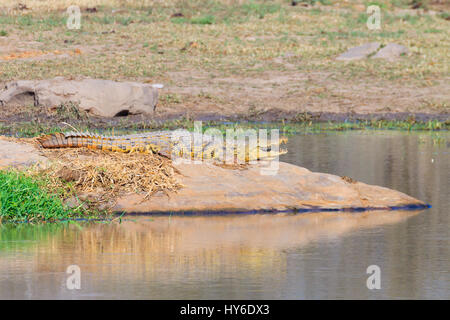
<point>169,144</point>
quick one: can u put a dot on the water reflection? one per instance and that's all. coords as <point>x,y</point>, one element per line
<point>168,251</point>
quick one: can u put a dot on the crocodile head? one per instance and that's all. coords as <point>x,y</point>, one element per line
<point>199,147</point>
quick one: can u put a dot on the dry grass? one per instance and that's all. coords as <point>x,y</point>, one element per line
<point>143,39</point>
<point>50,5</point>
<point>106,175</point>
<point>221,46</point>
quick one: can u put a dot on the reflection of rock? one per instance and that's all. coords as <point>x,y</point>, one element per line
<point>100,97</point>
<point>262,231</point>
<point>391,52</point>
<point>359,52</point>
<point>162,253</point>
<point>211,188</point>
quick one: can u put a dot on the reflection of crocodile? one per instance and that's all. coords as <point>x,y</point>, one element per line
<point>168,143</point>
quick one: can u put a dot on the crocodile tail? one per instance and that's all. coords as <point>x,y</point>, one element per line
<point>54,140</point>
<point>69,140</point>
<point>89,140</point>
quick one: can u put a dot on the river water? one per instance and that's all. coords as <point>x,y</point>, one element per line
<point>314,255</point>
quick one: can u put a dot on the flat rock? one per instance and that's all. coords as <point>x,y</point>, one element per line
<point>360,52</point>
<point>14,154</point>
<point>210,188</point>
<point>391,51</point>
<point>99,97</point>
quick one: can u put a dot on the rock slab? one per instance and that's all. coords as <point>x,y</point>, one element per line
<point>391,52</point>
<point>99,97</point>
<point>209,188</point>
<point>374,50</point>
<point>360,52</point>
<point>14,154</point>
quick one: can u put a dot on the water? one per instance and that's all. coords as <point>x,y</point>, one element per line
<point>318,255</point>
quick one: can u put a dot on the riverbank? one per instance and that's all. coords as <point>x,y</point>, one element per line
<point>33,126</point>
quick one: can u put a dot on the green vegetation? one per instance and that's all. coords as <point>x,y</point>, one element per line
<point>208,19</point>
<point>70,110</point>
<point>27,129</point>
<point>315,127</point>
<point>26,199</point>
<point>445,15</point>
<point>31,196</point>
<point>304,123</point>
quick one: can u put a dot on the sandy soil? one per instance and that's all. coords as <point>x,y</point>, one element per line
<point>289,94</point>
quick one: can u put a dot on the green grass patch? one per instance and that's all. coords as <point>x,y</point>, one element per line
<point>433,31</point>
<point>306,125</point>
<point>125,21</point>
<point>444,15</point>
<point>303,122</point>
<point>27,129</point>
<point>104,20</point>
<point>259,9</point>
<point>208,19</point>
<point>376,3</point>
<point>42,23</point>
<point>179,20</point>
<point>25,199</point>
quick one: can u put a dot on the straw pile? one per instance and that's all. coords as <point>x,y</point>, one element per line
<point>109,174</point>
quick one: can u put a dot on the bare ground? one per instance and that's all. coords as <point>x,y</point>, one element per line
<point>287,94</point>
<point>273,68</point>
<point>284,92</point>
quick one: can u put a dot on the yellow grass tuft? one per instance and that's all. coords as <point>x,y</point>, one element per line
<point>108,174</point>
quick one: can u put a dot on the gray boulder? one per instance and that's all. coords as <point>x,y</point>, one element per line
<point>104,98</point>
<point>360,52</point>
<point>391,52</point>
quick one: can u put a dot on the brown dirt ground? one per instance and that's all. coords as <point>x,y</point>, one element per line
<point>288,94</point>
<point>283,92</point>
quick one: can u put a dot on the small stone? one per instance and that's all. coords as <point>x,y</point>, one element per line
<point>288,55</point>
<point>68,175</point>
<point>391,52</point>
<point>74,202</point>
<point>361,52</point>
<point>278,60</point>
